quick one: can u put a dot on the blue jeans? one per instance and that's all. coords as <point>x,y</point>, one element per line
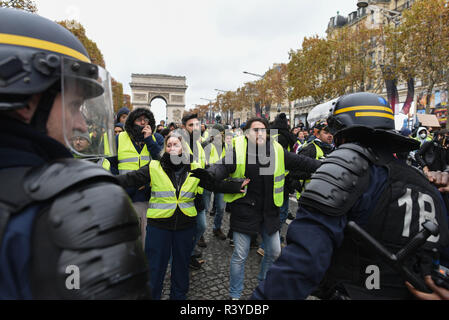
<point>283,214</point>
<point>160,245</point>
<point>219,206</point>
<point>242,244</point>
<point>283,211</point>
<point>200,227</point>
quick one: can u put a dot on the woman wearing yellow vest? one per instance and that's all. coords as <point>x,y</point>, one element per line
<point>171,222</point>
<point>264,162</point>
<point>171,214</point>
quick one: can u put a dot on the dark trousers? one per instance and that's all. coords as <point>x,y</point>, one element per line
<point>160,245</point>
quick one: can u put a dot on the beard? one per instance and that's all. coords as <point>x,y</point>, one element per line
<point>136,133</point>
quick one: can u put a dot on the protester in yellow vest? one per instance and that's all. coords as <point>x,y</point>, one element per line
<point>81,142</point>
<point>287,140</point>
<point>264,162</point>
<point>171,214</point>
<point>215,149</point>
<point>318,148</point>
<point>118,128</point>
<point>192,127</point>
<point>204,133</point>
<point>136,146</point>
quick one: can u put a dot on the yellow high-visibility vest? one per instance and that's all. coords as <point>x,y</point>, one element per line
<point>107,150</point>
<point>163,200</point>
<point>215,155</point>
<point>104,163</point>
<point>128,157</point>
<point>241,145</point>
<point>319,156</point>
<point>201,158</point>
<point>275,137</point>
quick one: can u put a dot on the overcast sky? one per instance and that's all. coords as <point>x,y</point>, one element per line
<point>210,42</point>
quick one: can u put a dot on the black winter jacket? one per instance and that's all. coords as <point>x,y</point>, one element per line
<point>310,150</point>
<point>285,138</point>
<point>432,155</point>
<point>256,211</point>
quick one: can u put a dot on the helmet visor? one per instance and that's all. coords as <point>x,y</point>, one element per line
<point>87,109</point>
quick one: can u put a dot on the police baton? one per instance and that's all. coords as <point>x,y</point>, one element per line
<point>396,260</point>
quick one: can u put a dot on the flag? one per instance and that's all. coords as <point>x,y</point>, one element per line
<point>410,95</point>
<point>392,93</point>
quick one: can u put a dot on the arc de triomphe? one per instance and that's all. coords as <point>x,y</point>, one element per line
<point>147,87</point>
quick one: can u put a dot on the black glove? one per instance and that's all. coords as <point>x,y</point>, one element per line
<point>203,175</point>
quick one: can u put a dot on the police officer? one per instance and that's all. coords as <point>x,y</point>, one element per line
<point>363,182</point>
<point>56,217</point>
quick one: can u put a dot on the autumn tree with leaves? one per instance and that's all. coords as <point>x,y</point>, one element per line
<point>353,63</point>
<point>26,5</point>
<point>326,68</point>
<point>420,44</point>
<point>96,57</point>
<point>80,32</point>
<point>309,72</point>
<point>201,110</point>
<point>277,82</point>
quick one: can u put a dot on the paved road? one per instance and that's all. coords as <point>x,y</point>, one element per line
<point>211,282</point>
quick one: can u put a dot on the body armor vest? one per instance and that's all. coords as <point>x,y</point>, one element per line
<point>406,202</point>
<point>77,226</point>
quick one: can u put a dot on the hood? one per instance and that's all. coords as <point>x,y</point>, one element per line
<point>123,110</point>
<point>420,129</point>
<point>280,122</point>
<point>136,114</point>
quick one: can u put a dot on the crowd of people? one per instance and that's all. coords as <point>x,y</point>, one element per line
<point>120,204</point>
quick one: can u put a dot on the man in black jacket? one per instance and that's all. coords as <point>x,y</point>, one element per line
<point>258,210</point>
<point>285,137</point>
<point>434,155</point>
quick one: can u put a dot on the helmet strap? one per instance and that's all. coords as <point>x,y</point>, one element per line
<point>42,113</point>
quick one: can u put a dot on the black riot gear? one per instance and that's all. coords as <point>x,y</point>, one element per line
<point>60,217</point>
<point>78,226</point>
<point>364,182</point>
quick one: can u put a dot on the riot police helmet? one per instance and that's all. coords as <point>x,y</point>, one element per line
<point>367,118</point>
<point>40,57</point>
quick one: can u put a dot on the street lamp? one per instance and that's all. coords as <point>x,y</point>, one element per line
<point>394,14</point>
<point>227,112</point>
<point>209,116</point>
<point>254,74</point>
